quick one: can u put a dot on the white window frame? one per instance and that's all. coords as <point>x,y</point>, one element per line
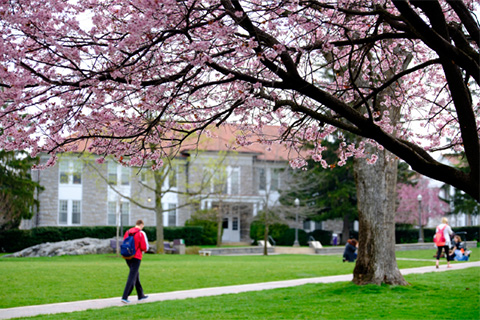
<point>269,173</point>
<point>69,213</point>
<point>120,173</point>
<point>171,215</point>
<point>70,168</point>
<point>125,210</point>
<point>231,171</point>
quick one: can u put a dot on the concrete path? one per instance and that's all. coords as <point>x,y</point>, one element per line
<point>29,311</point>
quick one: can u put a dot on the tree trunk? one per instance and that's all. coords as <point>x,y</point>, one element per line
<point>265,238</point>
<point>159,215</point>
<point>376,263</point>
<point>346,228</point>
<point>219,224</point>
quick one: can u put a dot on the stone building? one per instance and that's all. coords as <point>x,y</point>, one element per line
<point>79,191</point>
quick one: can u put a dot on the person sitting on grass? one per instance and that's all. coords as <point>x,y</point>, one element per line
<point>349,253</point>
<point>458,252</point>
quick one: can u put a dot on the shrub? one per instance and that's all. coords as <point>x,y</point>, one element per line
<point>288,238</point>
<point>16,240</point>
<point>207,220</point>
<point>323,236</point>
<point>191,234</point>
<point>276,231</point>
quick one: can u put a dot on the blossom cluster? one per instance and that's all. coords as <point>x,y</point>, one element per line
<point>128,75</point>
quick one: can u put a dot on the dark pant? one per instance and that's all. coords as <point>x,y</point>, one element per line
<point>133,279</point>
<point>439,252</point>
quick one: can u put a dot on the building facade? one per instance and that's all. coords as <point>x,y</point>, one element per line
<point>80,191</point>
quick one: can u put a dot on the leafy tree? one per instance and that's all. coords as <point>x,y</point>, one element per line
<point>461,201</point>
<point>328,190</point>
<point>431,204</point>
<point>398,65</point>
<point>17,189</point>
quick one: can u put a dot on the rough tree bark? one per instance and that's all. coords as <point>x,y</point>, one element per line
<point>376,263</point>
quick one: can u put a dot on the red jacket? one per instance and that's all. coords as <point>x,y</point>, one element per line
<point>140,244</point>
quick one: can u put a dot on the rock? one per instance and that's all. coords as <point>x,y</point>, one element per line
<point>71,247</point>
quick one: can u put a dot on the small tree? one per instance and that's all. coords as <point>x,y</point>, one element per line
<point>17,189</point>
<point>408,204</point>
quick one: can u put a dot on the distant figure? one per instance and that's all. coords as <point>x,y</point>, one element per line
<point>458,252</point>
<point>134,263</point>
<point>444,243</point>
<point>349,254</point>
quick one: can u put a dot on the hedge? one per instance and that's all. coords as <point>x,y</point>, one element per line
<point>324,236</point>
<point>285,236</point>
<point>410,235</point>
<point>276,231</point>
<point>16,240</point>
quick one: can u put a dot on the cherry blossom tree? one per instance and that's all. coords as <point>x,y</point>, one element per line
<point>431,205</point>
<point>125,74</point>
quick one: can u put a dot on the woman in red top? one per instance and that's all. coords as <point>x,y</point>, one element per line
<point>134,263</point>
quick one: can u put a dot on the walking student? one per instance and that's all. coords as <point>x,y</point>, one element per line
<point>134,263</point>
<point>442,241</point>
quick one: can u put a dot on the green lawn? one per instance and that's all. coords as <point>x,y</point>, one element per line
<point>31,281</point>
<point>446,295</point>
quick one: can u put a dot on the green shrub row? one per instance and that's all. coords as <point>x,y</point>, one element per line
<point>16,240</point>
<point>410,235</point>
<point>192,235</point>
<point>285,236</point>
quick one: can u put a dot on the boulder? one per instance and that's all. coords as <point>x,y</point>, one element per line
<point>62,248</point>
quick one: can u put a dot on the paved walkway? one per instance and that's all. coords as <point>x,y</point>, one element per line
<point>30,311</point>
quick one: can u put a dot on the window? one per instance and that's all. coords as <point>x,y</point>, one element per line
<point>115,171</point>
<point>172,215</point>
<point>112,173</point>
<point>77,172</point>
<point>70,172</point>
<point>63,212</point>
<point>63,172</point>
<point>143,176</point>
<point>225,223</point>
<point>69,212</point>
<point>219,181</point>
<point>274,179</point>
<point>76,210</point>
<point>125,174</point>
<point>113,208</point>
<point>172,177</point>
<point>112,213</point>
<point>262,177</point>
<point>235,223</point>
<point>234,180</point>
<point>125,211</point>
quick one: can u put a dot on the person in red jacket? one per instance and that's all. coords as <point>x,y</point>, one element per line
<point>134,263</point>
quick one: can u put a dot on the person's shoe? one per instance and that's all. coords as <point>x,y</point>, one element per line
<point>143,298</point>
<point>125,301</point>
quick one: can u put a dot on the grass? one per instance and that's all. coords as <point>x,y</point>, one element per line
<point>447,295</point>
<point>34,281</point>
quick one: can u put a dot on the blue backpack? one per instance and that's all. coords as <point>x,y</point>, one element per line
<point>127,249</point>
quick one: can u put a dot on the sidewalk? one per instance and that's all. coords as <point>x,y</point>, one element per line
<point>30,311</point>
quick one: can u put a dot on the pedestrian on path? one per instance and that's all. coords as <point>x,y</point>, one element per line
<point>134,263</point>
<point>443,243</point>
